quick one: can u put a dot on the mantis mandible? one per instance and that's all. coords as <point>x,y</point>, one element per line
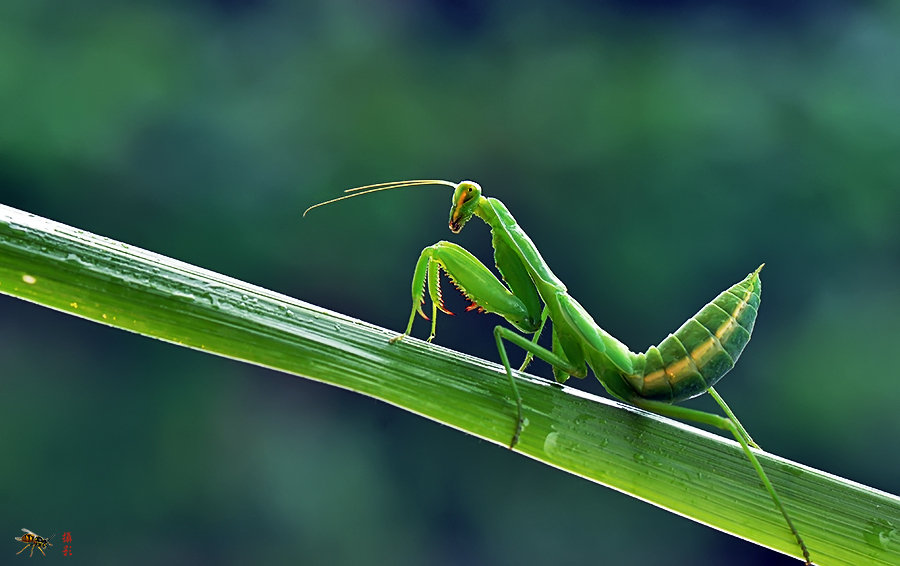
<point>684,365</point>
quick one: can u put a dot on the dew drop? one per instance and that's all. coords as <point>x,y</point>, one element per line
<point>881,533</point>
<point>550,445</point>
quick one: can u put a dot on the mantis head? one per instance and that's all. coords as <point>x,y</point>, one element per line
<point>463,204</point>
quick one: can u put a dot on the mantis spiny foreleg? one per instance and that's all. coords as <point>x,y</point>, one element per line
<point>475,282</point>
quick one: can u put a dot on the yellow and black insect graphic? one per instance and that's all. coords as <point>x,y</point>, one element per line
<point>34,541</point>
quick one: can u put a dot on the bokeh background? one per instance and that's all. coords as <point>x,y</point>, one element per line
<point>656,152</point>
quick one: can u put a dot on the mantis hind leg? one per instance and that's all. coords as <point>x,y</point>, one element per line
<point>740,428</point>
<point>556,360</point>
<point>732,425</point>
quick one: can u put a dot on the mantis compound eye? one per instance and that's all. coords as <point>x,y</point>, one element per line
<point>468,190</point>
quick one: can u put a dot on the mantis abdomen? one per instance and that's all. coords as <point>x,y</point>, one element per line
<point>705,348</point>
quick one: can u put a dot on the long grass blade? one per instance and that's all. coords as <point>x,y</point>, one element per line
<point>663,462</point>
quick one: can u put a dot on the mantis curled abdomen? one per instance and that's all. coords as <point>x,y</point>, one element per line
<point>693,358</point>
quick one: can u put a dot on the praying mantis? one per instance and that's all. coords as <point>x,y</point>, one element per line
<point>684,365</point>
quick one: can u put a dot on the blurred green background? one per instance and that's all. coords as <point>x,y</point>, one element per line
<point>655,151</point>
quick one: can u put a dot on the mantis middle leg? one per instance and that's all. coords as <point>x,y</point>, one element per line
<point>561,365</point>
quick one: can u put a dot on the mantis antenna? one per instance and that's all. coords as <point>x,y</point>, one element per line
<point>359,191</point>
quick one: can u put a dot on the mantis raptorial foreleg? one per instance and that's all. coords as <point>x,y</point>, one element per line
<point>475,282</point>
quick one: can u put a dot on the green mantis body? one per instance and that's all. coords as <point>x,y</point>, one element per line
<point>686,364</point>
